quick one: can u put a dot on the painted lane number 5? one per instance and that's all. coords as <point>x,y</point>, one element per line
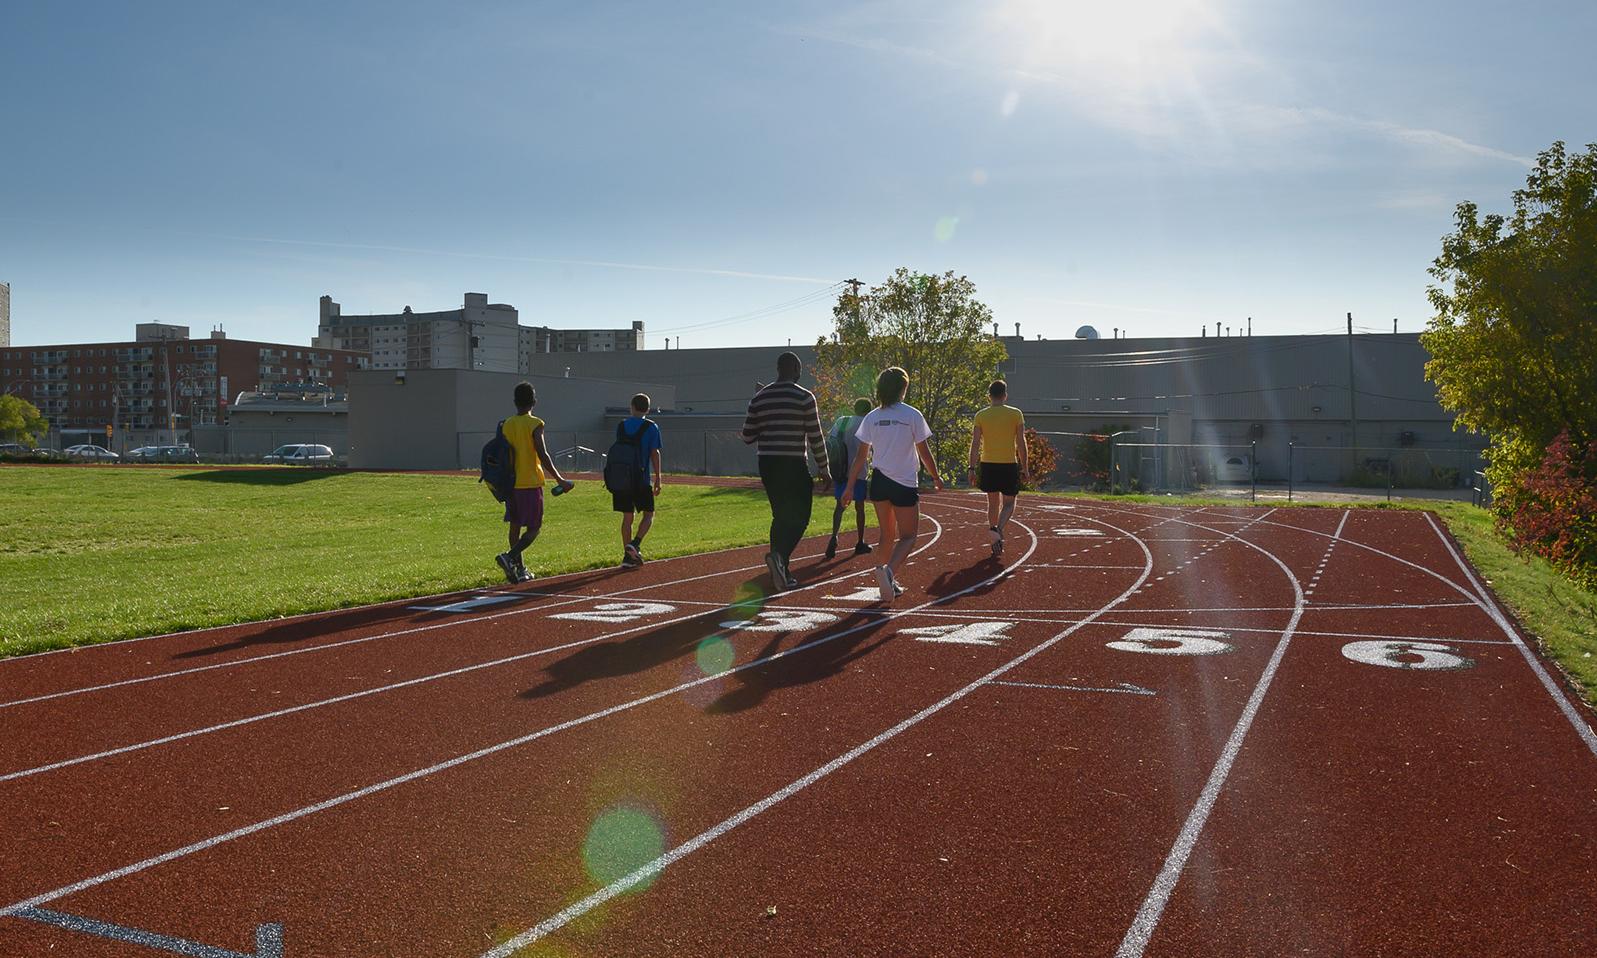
<point>1173,642</point>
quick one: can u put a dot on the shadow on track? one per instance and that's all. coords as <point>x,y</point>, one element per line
<point>322,625</point>
<point>812,665</point>
<point>968,580</point>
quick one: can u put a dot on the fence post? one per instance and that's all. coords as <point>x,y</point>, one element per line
<point>1389,477</point>
<point>1111,464</point>
<point>706,436</point>
<point>1289,447</point>
<point>1253,468</point>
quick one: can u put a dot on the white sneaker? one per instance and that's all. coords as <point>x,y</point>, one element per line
<point>897,589</point>
<point>884,581</point>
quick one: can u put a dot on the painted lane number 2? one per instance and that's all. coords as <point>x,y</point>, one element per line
<point>1426,656</point>
<point>1173,642</point>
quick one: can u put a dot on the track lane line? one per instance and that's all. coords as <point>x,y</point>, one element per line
<point>420,680</point>
<point>431,626</point>
<point>244,831</point>
<point>1489,604</point>
<point>121,643</point>
<point>1146,921</point>
<point>649,870</point>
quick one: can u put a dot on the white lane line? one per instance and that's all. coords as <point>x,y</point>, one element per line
<point>1142,927</point>
<point>1124,687</point>
<point>1489,604</point>
<point>396,633</point>
<point>420,773</point>
<point>647,871</point>
<point>419,680</point>
<point>123,643</point>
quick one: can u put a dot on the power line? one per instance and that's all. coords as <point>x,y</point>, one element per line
<point>761,313</point>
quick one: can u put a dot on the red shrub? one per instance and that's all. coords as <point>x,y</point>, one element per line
<point>1551,510</point>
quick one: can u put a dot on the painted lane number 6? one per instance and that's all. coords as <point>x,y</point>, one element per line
<point>1426,656</point>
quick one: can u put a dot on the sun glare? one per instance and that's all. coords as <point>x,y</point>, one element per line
<point>1132,42</point>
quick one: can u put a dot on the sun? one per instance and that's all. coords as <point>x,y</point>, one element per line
<point>1128,42</point>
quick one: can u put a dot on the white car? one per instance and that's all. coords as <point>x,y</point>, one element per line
<point>88,452</point>
<point>300,454</point>
<point>1234,469</point>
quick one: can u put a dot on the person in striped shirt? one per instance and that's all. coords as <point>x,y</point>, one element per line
<point>782,421</point>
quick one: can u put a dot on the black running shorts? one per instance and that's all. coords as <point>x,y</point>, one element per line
<point>1001,477</point>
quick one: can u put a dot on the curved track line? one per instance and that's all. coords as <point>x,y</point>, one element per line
<point>117,643</point>
<point>649,870</point>
<point>1142,927</point>
<point>343,643</point>
<point>1583,729</point>
<point>420,773</point>
<point>423,679</point>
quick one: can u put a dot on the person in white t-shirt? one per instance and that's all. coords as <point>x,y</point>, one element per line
<point>894,435</point>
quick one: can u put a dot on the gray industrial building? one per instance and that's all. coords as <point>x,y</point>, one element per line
<point>1336,405</point>
<point>440,418</point>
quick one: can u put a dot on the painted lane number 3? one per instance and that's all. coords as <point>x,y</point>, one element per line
<point>782,620</point>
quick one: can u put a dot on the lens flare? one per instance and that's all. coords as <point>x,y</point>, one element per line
<point>621,840</point>
<point>715,655</point>
<point>944,230</point>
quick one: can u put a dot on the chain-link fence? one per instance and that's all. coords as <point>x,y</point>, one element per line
<point>1123,462</point>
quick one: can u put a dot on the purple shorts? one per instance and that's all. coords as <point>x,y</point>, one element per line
<point>525,508</point>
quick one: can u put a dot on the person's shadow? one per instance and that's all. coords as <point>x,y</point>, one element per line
<point>824,660</point>
<point>320,625</point>
<point>971,578</point>
<point>628,656</point>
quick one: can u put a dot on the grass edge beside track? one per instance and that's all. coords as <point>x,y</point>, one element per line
<point>1559,615</point>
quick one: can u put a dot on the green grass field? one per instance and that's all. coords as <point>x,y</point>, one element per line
<point>94,554</point>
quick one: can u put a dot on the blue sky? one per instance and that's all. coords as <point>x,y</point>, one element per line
<point>1152,166</point>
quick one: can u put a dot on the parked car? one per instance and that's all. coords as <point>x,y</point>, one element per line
<point>88,452</point>
<point>164,454</point>
<point>300,454</point>
<point>1234,469</point>
<point>14,449</point>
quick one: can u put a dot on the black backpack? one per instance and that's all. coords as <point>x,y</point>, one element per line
<point>499,464</point>
<point>624,464</point>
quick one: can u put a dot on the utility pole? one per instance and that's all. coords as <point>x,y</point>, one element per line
<point>1352,391</point>
<point>853,286</point>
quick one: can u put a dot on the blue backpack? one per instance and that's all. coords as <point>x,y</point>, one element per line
<point>499,465</point>
<point>624,463</point>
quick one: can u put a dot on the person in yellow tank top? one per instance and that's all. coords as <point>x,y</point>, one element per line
<point>524,508</point>
<point>998,459</point>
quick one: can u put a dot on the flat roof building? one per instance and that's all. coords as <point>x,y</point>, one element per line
<point>163,380</point>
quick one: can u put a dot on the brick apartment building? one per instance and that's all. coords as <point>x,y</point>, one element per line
<point>162,382</point>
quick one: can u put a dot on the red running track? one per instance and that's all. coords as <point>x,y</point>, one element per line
<point>1143,731</point>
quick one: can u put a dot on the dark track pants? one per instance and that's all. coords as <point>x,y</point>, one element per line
<point>787,485</point>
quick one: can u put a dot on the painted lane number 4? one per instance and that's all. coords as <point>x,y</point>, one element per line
<point>1173,642</point>
<point>1424,656</point>
<point>782,620</point>
<point>972,633</point>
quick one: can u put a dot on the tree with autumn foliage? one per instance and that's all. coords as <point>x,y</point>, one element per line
<point>931,325</point>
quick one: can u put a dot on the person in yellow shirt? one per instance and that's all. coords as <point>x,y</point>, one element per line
<point>998,459</point>
<point>524,508</point>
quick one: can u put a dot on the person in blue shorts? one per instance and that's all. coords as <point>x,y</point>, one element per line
<point>842,447</point>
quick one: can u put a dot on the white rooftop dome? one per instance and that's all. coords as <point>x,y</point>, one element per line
<point>1087,332</point>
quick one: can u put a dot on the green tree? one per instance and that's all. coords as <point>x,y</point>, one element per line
<point>1514,341</point>
<point>20,420</point>
<point>931,325</point>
